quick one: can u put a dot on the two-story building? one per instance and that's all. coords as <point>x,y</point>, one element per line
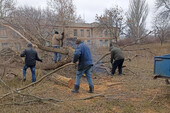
<point>90,33</point>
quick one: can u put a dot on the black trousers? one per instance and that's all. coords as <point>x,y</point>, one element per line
<point>117,63</point>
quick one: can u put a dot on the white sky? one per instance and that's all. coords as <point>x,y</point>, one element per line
<point>89,8</point>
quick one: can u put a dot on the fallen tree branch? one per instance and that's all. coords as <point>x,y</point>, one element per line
<point>90,97</point>
<point>55,65</point>
<point>140,49</point>
<point>68,82</point>
<point>130,59</point>
<point>131,71</point>
<point>113,84</point>
<point>4,71</point>
<point>34,83</point>
<point>33,101</point>
<point>35,42</point>
<point>153,98</point>
<point>17,32</point>
<point>135,42</point>
<point>102,58</point>
<point>39,99</point>
<point>19,103</point>
<point>50,100</point>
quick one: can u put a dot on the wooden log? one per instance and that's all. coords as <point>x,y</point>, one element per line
<point>68,82</point>
<point>55,65</point>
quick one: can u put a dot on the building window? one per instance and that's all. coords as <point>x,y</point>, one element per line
<point>88,42</point>
<point>1,27</point>
<point>4,45</point>
<point>101,43</point>
<point>111,34</point>
<point>106,43</point>
<point>3,37</point>
<point>75,32</point>
<point>101,33</point>
<point>3,33</point>
<point>17,46</point>
<point>88,33</point>
<point>15,35</point>
<point>82,32</point>
<point>105,33</point>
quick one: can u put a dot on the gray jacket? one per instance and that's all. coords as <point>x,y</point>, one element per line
<point>116,54</point>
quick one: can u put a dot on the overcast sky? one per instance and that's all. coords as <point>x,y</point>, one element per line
<point>89,8</point>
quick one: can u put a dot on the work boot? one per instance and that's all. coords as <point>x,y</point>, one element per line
<point>91,89</point>
<point>76,88</point>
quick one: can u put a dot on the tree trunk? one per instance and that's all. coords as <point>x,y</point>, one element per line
<point>68,82</point>
<point>55,65</point>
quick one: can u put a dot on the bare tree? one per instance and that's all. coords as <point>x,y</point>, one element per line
<point>163,8</point>
<point>112,22</point>
<point>30,20</point>
<point>137,14</point>
<point>64,14</point>
<point>6,7</point>
<point>161,29</point>
<point>79,19</point>
<point>161,23</point>
<point>36,24</point>
<point>30,24</point>
<point>64,11</point>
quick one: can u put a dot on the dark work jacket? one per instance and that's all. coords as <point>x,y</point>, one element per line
<point>116,54</point>
<point>30,57</point>
<point>83,55</point>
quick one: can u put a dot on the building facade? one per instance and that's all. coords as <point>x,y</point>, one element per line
<point>10,39</point>
<point>91,34</point>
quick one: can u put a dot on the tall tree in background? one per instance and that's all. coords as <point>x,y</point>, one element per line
<point>137,14</point>
<point>163,8</point>
<point>63,13</point>
<point>161,23</point>
<point>6,7</point>
<point>33,21</point>
<point>112,22</point>
<point>64,9</point>
<point>161,29</point>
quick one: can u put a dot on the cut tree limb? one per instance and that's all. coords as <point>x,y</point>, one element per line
<point>102,58</point>
<point>90,97</point>
<point>34,83</point>
<point>35,42</point>
<point>68,82</point>
<point>55,65</point>
<point>135,42</point>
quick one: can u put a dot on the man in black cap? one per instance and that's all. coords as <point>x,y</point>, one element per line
<point>30,61</point>
<point>82,55</point>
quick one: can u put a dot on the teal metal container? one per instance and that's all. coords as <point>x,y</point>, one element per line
<point>162,65</point>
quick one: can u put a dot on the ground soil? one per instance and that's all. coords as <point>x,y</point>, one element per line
<point>133,92</point>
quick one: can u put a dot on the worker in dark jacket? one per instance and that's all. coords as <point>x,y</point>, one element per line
<point>83,55</point>
<point>30,61</point>
<point>118,57</point>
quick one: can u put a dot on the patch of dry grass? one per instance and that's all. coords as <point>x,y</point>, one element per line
<point>133,92</point>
